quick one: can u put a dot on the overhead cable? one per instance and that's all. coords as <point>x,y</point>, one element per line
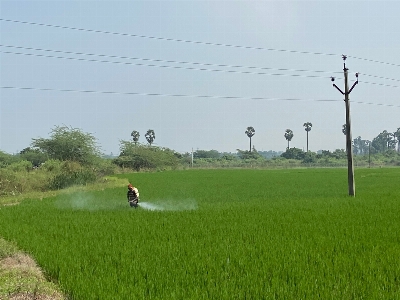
<point>166,39</point>
<point>162,66</point>
<point>193,42</point>
<point>167,61</point>
<point>184,96</point>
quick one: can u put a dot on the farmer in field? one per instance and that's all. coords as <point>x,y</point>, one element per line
<point>133,196</point>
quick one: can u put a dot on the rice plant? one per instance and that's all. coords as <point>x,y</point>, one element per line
<point>220,234</point>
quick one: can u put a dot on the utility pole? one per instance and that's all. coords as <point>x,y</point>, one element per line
<point>349,145</point>
<point>192,157</point>
<point>369,154</point>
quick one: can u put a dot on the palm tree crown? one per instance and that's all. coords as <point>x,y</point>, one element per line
<point>250,132</point>
<point>307,127</point>
<point>150,136</point>
<point>288,136</point>
<point>135,136</point>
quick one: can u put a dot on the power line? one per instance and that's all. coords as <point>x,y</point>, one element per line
<point>163,66</point>
<point>164,95</point>
<point>184,96</point>
<point>381,84</point>
<point>167,39</point>
<point>374,61</point>
<point>167,61</point>
<point>193,42</point>
<point>380,77</point>
<point>185,62</point>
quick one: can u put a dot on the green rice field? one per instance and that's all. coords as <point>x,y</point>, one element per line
<point>220,234</point>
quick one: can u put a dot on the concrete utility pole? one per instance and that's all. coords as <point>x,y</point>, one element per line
<point>349,145</point>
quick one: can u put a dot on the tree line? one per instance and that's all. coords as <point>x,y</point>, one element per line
<point>383,142</point>
<point>69,156</point>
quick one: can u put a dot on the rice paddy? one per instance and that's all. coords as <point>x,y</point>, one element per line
<point>220,234</point>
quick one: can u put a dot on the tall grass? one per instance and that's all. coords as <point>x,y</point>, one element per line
<point>254,234</point>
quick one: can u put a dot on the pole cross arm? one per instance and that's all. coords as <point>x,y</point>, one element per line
<point>338,88</point>
<point>354,84</point>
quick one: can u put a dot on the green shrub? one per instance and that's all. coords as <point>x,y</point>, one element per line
<point>139,157</point>
<point>22,165</point>
<point>52,165</point>
<point>72,173</point>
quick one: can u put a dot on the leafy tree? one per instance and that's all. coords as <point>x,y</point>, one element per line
<point>396,135</point>
<point>360,146</point>
<point>35,156</point>
<point>7,159</point>
<point>270,154</point>
<point>383,142</point>
<point>250,132</point>
<point>339,154</point>
<point>307,128</point>
<point>150,136</point>
<point>206,154</point>
<point>69,144</point>
<point>135,136</point>
<point>139,157</point>
<point>244,154</point>
<point>293,153</point>
<point>288,136</point>
<point>309,157</point>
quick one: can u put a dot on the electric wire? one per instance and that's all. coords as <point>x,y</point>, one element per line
<point>167,39</point>
<point>185,96</point>
<point>177,62</point>
<point>380,84</point>
<point>193,42</point>
<point>163,66</point>
<point>374,61</point>
<point>168,61</point>
<point>380,77</point>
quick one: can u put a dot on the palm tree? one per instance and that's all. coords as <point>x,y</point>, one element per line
<point>150,136</point>
<point>344,129</point>
<point>250,132</point>
<point>396,134</point>
<point>288,136</point>
<point>307,127</point>
<point>135,136</point>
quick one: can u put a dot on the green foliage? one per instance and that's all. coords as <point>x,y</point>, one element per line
<point>105,167</point>
<point>360,146</point>
<point>309,157</point>
<point>254,234</point>
<point>72,173</point>
<point>135,136</point>
<point>294,153</point>
<point>383,142</point>
<point>16,179</point>
<point>69,144</point>
<point>137,157</point>
<point>150,136</point>
<point>270,154</point>
<point>7,159</point>
<point>22,165</point>
<point>8,181</point>
<point>52,165</point>
<point>244,154</point>
<point>35,156</point>
<point>206,154</point>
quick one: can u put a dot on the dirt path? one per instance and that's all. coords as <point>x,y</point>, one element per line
<point>21,278</point>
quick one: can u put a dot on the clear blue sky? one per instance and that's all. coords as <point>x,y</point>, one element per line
<point>366,31</point>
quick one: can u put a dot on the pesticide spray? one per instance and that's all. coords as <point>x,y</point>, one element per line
<point>86,201</point>
<point>169,205</point>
